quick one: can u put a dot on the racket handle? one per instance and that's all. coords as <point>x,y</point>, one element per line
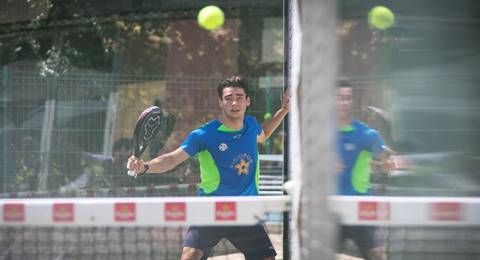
<point>131,173</point>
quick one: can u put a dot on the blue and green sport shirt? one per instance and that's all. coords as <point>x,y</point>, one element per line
<point>228,158</point>
<point>358,144</point>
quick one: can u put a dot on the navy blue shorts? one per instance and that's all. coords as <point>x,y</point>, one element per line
<point>252,241</point>
<point>364,237</point>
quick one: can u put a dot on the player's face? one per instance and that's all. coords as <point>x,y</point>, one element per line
<point>234,102</point>
<point>344,102</point>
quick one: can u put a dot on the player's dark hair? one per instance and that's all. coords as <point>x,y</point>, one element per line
<point>235,81</point>
<point>344,83</point>
<point>122,143</point>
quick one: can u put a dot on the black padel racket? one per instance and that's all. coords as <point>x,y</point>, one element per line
<point>148,127</point>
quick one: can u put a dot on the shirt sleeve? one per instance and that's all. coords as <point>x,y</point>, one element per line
<point>256,125</point>
<point>194,143</point>
<point>375,143</point>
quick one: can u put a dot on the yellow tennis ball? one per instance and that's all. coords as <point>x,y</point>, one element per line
<point>267,116</point>
<point>381,17</point>
<point>210,17</point>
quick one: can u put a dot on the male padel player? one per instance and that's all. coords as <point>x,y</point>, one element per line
<point>229,166</point>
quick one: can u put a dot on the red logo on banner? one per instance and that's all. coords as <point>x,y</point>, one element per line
<point>446,211</point>
<point>125,211</point>
<point>175,211</point>
<point>372,210</point>
<point>14,212</point>
<point>63,212</point>
<point>225,211</point>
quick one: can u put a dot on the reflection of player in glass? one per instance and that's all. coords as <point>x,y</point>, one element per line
<point>358,145</point>
<point>111,168</point>
<point>228,155</point>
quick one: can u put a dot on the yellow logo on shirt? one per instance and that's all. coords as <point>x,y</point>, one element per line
<point>242,167</point>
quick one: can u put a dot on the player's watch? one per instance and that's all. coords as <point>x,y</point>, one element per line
<point>145,168</point>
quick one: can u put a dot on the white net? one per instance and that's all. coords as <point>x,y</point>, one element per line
<point>414,227</point>
<point>123,228</point>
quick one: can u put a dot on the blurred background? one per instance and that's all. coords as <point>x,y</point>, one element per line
<point>76,75</point>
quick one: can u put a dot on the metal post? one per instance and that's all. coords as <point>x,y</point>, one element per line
<point>45,144</point>
<point>317,119</point>
<point>110,123</point>
<point>6,127</point>
<point>287,30</point>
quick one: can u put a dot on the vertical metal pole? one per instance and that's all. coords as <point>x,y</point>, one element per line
<point>6,128</point>
<point>110,123</point>
<point>294,147</point>
<point>268,106</point>
<point>318,77</point>
<point>45,144</point>
<point>113,98</point>
<point>286,72</point>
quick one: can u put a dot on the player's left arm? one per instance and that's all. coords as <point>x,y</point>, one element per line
<point>272,124</point>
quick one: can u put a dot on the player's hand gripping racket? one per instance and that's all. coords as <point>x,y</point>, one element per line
<point>146,129</point>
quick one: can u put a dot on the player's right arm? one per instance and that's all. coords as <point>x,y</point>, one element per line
<point>382,152</point>
<point>160,164</point>
<point>385,160</point>
<point>165,162</point>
